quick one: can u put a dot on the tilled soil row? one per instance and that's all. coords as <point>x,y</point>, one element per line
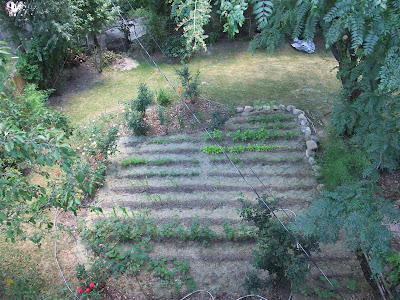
<point>199,188</point>
<point>190,204</point>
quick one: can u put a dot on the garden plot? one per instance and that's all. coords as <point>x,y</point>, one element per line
<point>183,179</point>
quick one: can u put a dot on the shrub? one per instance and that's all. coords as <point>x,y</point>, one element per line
<point>175,46</point>
<point>135,111</point>
<point>144,99</point>
<point>190,83</point>
<point>217,120</point>
<point>277,251</point>
<point>162,98</point>
<point>138,124</point>
<point>109,58</point>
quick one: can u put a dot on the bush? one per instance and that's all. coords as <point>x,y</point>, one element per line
<point>162,98</point>
<point>190,83</point>
<point>175,46</point>
<point>277,251</point>
<point>135,111</point>
<point>109,57</point>
<point>144,99</point>
<point>217,120</point>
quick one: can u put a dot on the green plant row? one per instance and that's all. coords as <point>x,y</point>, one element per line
<point>171,173</point>
<point>267,118</point>
<point>240,148</point>
<point>105,237</point>
<point>261,134</point>
<point>134,161</point>
<point>260,159</point>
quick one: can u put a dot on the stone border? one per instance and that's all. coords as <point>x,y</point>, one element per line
<point>311,140</point>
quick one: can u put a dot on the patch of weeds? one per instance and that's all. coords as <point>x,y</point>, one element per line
<point>163,161</point>
<point>181,123</point>
<point>162,141</point>
<point>134,161</point>
<point>341,162</point>
<point>174,183</point>
<point>141,183</point>
<point>196,162</point>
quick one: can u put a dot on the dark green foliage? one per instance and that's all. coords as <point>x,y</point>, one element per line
<point>175,46</point>
<point>277,251</point>
<point>156,24</point>
<point>163,98</point>
<point>342,162</point>
<point>359,210</point>
<point>394,260</point>
<point>217,120</point>
<point>135,111</point>
<point>190,83</point>
<point>143,100</point>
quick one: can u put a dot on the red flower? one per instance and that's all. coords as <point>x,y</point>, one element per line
<point>99,156</point>
<point>185,101</point>
<point>56,173</point>
<point>80,291</point>
<point>87,290</point>
<point>92,285</point>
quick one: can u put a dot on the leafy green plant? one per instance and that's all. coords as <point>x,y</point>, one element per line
<point>134,161</point>
<point>216,134</point>
<point>217,120</point>
<point>277,251</point>
<point>163,98</point>
<point>240,148</point>
<point>163,161</point>
<point>394,273</point>
<point>261,134</point>
<point>190,83</point>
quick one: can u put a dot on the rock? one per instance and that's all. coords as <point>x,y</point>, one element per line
<point>311,145</point>
<point>282,107</point>
<point>266,107</point>
<point>248,108</point>
<point>305,129</point>
<point>315,138</point>
<point>310,153</point>
<point>258,107</point>
<point>320,186</point>
<point>296,111</point>
<point>311,161</point>
<point>275,107</point>
<point>307,136</point>
<point>239,109</point>
<point>397,203</point>
<point>304,123</point>
<point>301,117</point>
<point>316,168</point>
<point>290,108</point>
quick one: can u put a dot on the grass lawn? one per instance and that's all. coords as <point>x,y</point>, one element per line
<point>228,73</point>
